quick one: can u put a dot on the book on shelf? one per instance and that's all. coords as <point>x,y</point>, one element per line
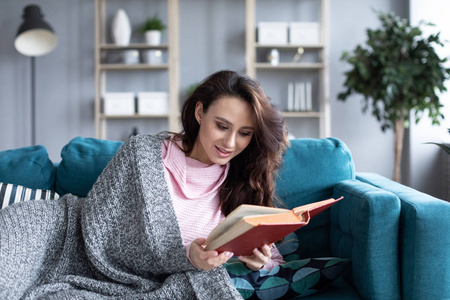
<point>251,226</point>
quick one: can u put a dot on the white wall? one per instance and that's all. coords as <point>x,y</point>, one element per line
<point>373,150</point>
<point>212,37</point>
<point>426,162</point>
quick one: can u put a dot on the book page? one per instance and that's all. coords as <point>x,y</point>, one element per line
<point>250,222</point>
<point>300,210</point>
<point>239,213</point>
<point>235,230</point>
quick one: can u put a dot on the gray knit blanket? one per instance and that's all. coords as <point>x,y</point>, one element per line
<point>120,242</point>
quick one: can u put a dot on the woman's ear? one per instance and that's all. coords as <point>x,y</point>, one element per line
<point>199,111</point>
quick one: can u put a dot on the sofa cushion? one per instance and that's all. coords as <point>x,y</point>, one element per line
<point>28,166</point>
<point>83,160</point>
<point>13,193</point>
<point>311,168</point>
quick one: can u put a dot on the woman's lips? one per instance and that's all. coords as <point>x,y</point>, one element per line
<point>222,152</point>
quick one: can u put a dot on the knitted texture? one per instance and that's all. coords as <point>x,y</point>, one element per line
<point>122,241</point>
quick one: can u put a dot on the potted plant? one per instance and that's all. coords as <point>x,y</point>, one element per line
<point>152,28</point>
<point>444,146</point>
<point>397,71</point>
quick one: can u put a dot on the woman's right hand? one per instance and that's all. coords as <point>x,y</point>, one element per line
<point>206,260</point>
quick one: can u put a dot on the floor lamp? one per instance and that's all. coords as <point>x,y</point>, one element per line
<point>34,38</point>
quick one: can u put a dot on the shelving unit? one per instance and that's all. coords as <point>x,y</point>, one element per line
<point>254,66</point>
<point>102,68</point>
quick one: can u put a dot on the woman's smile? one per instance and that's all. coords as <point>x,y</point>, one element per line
<point>223,153</point>
<point>226,129</point>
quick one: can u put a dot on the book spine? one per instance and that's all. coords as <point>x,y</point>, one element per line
<point>290,106</point>
<point>302,96</point>
<point>308,93</point>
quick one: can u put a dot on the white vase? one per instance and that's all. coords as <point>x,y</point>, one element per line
<point>153,37</point>
<point>121,28</point>
<point>153,57</point>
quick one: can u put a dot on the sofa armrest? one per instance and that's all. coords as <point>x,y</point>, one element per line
<point>424,240</point>
<point>364,228</point>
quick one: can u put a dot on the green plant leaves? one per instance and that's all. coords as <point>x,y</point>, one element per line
<point>445,147</point>
<point>397,70</point>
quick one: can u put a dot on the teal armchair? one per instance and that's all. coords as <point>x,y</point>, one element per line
<point>362,227</point>
<point>424,240</point>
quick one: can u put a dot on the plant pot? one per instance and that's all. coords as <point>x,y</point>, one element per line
<point>153,37</point>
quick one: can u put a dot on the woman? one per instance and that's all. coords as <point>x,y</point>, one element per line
<point>236,137</point>
<point>125,239</point>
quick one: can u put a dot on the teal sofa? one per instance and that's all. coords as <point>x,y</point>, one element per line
<point>396,238</point>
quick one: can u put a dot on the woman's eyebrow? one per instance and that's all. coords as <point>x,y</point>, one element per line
<point>231,124</point>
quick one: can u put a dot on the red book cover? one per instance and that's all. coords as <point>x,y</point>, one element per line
<point>258,236</point>
<point>250,226</point>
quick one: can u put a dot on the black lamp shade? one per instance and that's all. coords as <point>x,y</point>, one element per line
<point>35,37</point>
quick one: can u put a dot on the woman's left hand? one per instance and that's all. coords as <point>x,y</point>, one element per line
<point>259,258</point>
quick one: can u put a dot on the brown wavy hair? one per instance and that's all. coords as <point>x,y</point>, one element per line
<point>251,175</point>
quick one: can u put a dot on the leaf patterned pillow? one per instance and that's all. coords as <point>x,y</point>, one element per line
<point>300,277</point>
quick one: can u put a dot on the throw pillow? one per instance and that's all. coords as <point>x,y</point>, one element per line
<point>27,166</point>
<point>289,247</point>
<point>83,160</point>
<point>13,193</point>
<point>296,278</point>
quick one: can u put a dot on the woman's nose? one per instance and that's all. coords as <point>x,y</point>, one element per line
<point>230,140</point>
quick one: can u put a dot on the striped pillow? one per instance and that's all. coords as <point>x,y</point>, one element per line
<point>13,193</point>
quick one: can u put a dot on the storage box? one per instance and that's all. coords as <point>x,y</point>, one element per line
<point>119,104</point>
<point>304,33</point>
<point>153,103</point>
<point>273,33</point>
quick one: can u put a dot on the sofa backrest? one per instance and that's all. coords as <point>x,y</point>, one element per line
<point>311,168</point>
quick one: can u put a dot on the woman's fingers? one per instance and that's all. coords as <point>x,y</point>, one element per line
<point>259,258</point>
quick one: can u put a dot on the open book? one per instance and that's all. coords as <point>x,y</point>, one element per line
<point>251,226</point>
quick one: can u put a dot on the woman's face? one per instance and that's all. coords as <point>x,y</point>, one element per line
<point>226,129</point>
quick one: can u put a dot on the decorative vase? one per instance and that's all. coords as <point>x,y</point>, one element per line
<point>274,57</point>
<point>121,28</point>
<point>153,57</point>
<point>153,37</point>
<point>130,57</point>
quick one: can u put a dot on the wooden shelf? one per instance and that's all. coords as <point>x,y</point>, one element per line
<point>282,66</point>
<point>135,116</point>
<point>289,46</point>
<point>170,67</point>
<point>301,114</point>
<point>132,47</point>
<point>122,67</point>
<point>315,60</point>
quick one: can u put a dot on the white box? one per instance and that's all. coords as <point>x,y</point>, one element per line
<point>304,33</point>
<point>119,104</point>
<point>273,33</point>
<point>153,103</point>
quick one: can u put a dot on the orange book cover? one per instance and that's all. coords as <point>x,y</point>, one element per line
<point>251,226</point>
